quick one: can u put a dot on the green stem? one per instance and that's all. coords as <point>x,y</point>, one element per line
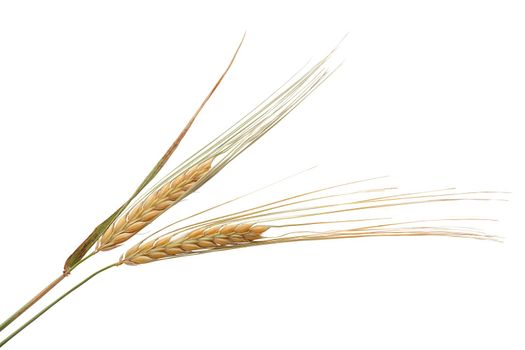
<point>31,302</point>
<point>81,261</point>
<point>3,342</point>
<point>39,296</point>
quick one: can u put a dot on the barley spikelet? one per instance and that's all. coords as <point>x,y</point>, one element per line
<point>218,236</point>
<point>151,207</point>
<point>238,230</point>
<point>232,236</point>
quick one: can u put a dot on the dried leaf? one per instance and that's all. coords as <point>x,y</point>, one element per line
<point>84,247</point>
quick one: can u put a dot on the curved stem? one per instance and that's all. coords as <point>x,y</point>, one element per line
<point>21,328</point>
<point>39,296</point>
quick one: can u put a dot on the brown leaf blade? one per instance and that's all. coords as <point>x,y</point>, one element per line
<point>84,247</point>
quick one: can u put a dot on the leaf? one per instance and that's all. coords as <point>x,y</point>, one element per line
<point>84,247</point>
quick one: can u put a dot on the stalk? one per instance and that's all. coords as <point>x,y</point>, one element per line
<point>31,302</point>
<point>21,328</point>
<point>39,296</point>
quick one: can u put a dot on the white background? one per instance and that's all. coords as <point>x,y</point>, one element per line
<point>430,93</point>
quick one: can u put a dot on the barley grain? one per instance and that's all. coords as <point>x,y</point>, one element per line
<point>151,207</point>
<point>218,236</point>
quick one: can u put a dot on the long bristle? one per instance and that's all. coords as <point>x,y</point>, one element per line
<point>222,150</point>
<point>240,229</point>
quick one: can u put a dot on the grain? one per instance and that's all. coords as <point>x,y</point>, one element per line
<point>152,206</point>
<point>202,239</point>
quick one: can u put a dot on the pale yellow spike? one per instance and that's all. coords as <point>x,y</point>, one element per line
<point>150,208</point>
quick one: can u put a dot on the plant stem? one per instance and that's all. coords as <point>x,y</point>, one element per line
<point>31,302</point>
<point>39,296</point>
<point>3,342</point>
<point>81,261</point>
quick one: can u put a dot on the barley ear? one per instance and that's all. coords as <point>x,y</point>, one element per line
<point>152,206</point>
<point>198,240</point>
